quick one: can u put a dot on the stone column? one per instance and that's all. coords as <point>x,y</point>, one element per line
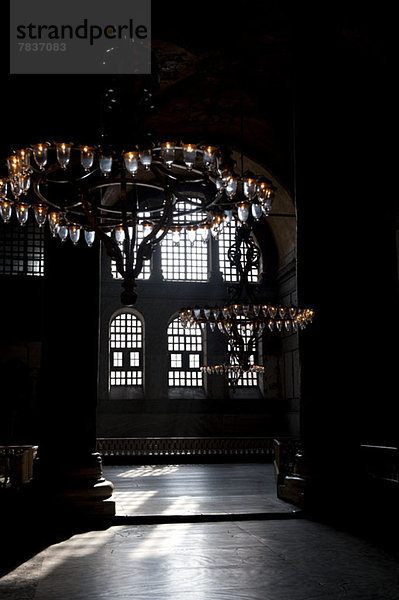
<point>70,471</point>
<point>345,261</point>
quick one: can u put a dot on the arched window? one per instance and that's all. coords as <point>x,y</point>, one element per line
<point>185,355</point>
<point>226,239</point>
<point>126,350</point>
<point>185,259</point>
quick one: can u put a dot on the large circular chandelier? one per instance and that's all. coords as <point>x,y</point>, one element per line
<point>86,192</point>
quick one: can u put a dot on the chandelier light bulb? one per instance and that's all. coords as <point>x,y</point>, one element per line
<point>249,188</point>
<point>74,233</point>
<point>147,228</point>
<point>228,215</point>
<point>53,221</point>
<point>168,153</point>
<point>145,158</point>
<point>40,211</point>
<point>176,237</point>
<point>189,153</point>
<point>209,153</point>
<point>191,235</point>
<point>3,188</point>
<point>40,154</point>
<point>204,233</point>
<point>63,232</point>
<point>105,163</point>
<point>22,212</point>
<point>231,187</point>
<point>256,211</point>
<point>131,162</point>
<point>63,154</point>
<point>119,233</point>
<point>13,165</point>
<point>86,158</point>
<point>243,212</point>
<point>24,160</point>
<point>266,206</point>
<point>6,210</point>
<point>89,237</point>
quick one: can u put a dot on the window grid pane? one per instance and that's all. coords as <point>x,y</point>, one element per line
<point>184,366</point>
<point>126,335</point>
<point>22,250</point>
<point>226,239</point>
<point>184,260</point>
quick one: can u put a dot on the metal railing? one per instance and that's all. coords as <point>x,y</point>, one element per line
<point>261,447</point>
<point>16,464</point>
<point>380,462</point>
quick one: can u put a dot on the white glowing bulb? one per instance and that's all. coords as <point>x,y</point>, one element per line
<point>74,233</point>
<point>40,152</point>
<point>89,237</point>
<point>63,154</point>
<point>6,210</point>
<point>63,232</point>
<point>22,212</point>
<point>105,163</point>
<point>40,211</point>
<point>86,158</point>
<point>131,162</point>
<point>243,212</point>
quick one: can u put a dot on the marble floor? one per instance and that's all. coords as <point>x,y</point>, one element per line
<point>194,490</point>
<point>226,559</point>
<point>252,560</point>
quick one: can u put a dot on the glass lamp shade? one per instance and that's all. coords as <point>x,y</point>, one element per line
<point>40,211</point>
<point>40,154</point>
<point>231,187</point>
<point>131,162</point>
<point>53,221</point>
<point>249,188</point>
<point>176,237</point>
<point>168,153</point>
<point>147,228</point>
<point>13,165</point>
<point>63,154</point>
<point>145,158</point>
<point>256,211</point>
<point>191,234</point>
<point>204,233</point>
<point>86,158</point>
<point>228,215</point>
<point>189,153</point>
<point>63,232</point>
<point>6,210</point>
<point>74,233</point>
<point>209,155</point>
<point>89,237</point>
<point>3,188</point>
<point>24,160</point>
<point>22,212</point>
<point>267,205</point>
<point>119,234</point>
<point>105,163</point>
<point>243,212</point>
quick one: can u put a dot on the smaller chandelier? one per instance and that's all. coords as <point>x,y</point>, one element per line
<point>255,317</point>
<point>244,325</point>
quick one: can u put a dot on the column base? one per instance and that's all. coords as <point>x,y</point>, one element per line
<point>76,490</point>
